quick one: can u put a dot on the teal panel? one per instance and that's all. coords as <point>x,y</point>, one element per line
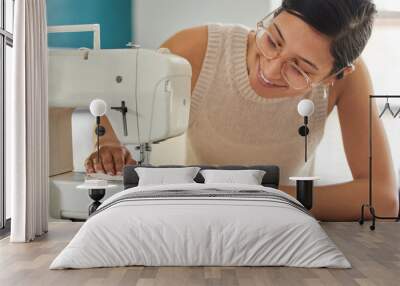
<point>114,17</point>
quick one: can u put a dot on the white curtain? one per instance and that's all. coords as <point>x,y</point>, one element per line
<point>27,123</point>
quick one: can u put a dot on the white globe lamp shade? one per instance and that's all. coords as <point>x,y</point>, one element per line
<point>305,107</point>
<point>98,107</point>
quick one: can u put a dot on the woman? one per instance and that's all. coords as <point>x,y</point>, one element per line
<point>246,86</point>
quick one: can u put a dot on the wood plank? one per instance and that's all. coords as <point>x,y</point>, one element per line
<point>375,257</point>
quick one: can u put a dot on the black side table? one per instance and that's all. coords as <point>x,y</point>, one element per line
<point>96,193</point>
<point>304,190</point>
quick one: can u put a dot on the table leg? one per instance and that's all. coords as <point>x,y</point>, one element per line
<point>304,193</point>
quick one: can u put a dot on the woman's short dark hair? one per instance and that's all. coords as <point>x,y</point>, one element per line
<point>347,22</point>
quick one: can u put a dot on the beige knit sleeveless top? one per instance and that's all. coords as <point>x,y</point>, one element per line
<point>230,124</point>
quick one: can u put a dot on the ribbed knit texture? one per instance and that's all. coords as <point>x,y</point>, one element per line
<point>231,124</point>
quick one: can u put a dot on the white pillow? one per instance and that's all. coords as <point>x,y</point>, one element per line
<point>162,176</point>
<point>249,177</point>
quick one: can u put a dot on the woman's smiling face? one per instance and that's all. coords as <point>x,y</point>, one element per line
<point>309,49</point>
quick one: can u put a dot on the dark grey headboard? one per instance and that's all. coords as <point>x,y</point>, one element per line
<point>270,179</point>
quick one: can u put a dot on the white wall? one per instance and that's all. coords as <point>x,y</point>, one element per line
<point>155,21</point>
<point>392,5</point>
<point>382,55</point>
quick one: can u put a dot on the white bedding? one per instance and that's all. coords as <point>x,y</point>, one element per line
<point>200,231</point>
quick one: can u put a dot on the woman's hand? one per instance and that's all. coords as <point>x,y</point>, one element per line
<point>113,157</point>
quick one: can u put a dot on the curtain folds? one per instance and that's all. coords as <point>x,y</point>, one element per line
<point>27,123</point>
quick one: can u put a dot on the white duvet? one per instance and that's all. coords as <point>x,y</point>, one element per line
<point>200,231</point>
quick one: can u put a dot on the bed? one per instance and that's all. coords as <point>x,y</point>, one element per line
<point>201,224</point>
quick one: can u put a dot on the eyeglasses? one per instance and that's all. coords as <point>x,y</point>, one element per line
<point>294,76</point>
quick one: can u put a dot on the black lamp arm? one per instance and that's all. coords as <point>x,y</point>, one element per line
<point>303,131</point>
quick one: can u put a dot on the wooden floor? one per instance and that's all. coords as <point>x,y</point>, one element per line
<point>375,257</point>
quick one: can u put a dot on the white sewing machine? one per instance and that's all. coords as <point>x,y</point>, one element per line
<point>147,94</point>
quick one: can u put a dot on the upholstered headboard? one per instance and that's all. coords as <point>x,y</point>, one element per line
<point>270,179</point>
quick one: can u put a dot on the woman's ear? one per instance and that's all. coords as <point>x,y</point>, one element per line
<point>345,72</point>
<point>348,70</point>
